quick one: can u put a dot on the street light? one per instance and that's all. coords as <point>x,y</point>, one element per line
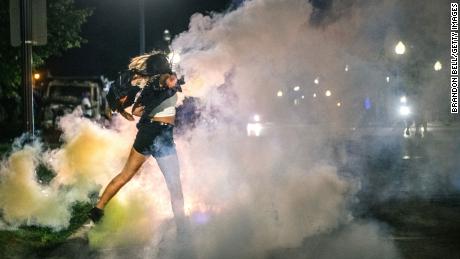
<point>328,93</point>
<point>437,66</point>
<point>316,80</point>
<point>400,48</point>
<point>167,35</point>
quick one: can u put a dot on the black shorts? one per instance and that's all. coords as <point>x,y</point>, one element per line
<point>155,139</point>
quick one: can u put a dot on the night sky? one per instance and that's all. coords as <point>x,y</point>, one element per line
<point>112,33</point>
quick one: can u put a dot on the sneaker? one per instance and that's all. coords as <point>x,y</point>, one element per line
<point>95,214</point>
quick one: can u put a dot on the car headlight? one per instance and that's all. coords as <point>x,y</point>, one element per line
<point>254,129</point>
<point>404,110</point>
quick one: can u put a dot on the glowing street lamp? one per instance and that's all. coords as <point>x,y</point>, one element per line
<point>36,76</point>
<point>328,93</point>
<point>437,66</point>
<point>400,48</point>
<point>316,80</point>
<point>166,35</point>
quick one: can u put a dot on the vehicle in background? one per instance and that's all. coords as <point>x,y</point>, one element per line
<point>61,95</point>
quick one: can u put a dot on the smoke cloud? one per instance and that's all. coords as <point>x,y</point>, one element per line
<point>246,198</point>
<point>22,199</point>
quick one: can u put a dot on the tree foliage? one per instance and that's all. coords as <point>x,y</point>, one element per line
<point>64,21</point>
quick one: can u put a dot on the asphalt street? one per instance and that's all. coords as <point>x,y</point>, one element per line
<point>408,185</point>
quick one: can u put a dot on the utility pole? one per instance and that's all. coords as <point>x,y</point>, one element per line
<point>141,27</point>
<point>27,28</point>
<point>26,56</point>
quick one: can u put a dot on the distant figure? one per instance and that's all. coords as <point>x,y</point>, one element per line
<point>408,121</point>
<point>417,116</point>
<point>86,105</point>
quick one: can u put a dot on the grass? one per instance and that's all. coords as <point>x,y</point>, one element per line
<point>36,241</point>
<point>29,241</point>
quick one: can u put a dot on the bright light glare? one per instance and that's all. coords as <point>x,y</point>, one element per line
<point>403,99</point>
<point>279,93</point>
<point>316,80</point>
<point>339,104</point>
<point>254,129</point>
<point>314,95</point>
<point>437,66</point>
<point>166,35</point>
<point>346,68</point>
<point>404,110</point>
<point>296,88</point>
<point>36,76</point>
<point>328,93</point>
<point>256,117</point>
<point>400,48</point>
<point>174,58</point>
<point>303,96</point>
<point>388,79</point>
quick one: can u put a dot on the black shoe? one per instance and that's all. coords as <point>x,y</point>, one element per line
<point>95,214</point>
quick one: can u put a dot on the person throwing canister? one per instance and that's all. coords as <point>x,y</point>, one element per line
<point>156,108</point>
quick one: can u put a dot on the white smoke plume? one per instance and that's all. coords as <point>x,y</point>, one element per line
<point>269,45</point>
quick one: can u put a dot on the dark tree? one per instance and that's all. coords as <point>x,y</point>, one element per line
<point>64,26</point>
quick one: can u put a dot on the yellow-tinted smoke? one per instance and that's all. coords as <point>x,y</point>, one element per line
<point>23,200</point>
<point>92,155</point>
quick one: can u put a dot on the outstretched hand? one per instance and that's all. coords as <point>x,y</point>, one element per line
<point>171,81</point>
<point>168,80</point>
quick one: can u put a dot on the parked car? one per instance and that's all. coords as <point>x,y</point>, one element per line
<point>61,95</point>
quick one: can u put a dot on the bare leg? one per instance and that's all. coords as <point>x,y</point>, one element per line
<point>169,166</point>
<point>135,161</point>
